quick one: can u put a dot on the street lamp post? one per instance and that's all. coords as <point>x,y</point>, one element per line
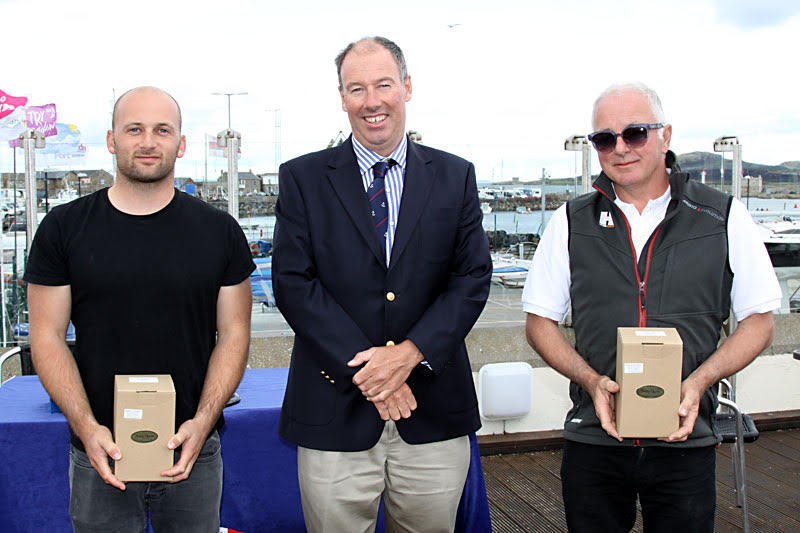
<point>229,103</point>
<point>579,143</point>
<point>545,175</point>
<point>231,140</point>
<point>46,193</point>
<point>31,140</point>
<point>730,143</point>
<point>277,136</point>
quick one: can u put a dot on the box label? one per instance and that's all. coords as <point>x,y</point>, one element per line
<point>143,379</point>
<point>135,414</point>
<point>641,333</point>
<point>144,436</point>
<point>650,391</point>
<point>634,368</point>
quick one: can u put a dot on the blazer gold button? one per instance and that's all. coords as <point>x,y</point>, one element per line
<point>389,343</point>
<point>390,296</point>
<point>332,382</point>
<point>322,372</point>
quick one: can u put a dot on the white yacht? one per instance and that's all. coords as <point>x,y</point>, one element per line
<point>782,239</point>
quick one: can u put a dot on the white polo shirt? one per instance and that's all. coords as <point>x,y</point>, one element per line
<point>755,287</point>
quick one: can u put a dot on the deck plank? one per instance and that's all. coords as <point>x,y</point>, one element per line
<point>788,449</point>
<point>524,490</point>
<point>782,499</point>
<point>540,488</point>
<point>512,505</point>
<point>763,469</point>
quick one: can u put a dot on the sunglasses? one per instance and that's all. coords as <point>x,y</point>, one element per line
<point>634,136</point>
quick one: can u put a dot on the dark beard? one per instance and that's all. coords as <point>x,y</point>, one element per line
<point>129,170</point>
<point>134,175</point>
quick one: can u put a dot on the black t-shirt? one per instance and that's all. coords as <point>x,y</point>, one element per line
<point>144,290</point>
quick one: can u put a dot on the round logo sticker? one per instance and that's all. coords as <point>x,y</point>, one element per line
<point>144,436</point>
<point>650,391</point>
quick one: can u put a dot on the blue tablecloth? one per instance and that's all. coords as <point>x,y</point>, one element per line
<point>260,492</point>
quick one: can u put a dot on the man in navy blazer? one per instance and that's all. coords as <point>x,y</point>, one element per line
<point>380,397</point>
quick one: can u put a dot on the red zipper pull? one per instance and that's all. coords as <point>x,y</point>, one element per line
<point>642,304</point>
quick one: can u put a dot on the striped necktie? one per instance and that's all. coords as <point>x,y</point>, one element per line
<point>379,205</point>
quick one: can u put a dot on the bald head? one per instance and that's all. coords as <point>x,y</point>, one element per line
<point>146,90</point>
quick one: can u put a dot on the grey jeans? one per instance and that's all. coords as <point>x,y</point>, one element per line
<point>189,505</point>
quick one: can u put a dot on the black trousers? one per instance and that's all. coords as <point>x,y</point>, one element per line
<point>676,488</point>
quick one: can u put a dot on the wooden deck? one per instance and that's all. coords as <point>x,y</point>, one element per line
<point>524,490</point>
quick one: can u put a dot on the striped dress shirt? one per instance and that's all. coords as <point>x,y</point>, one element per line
<point>394,186</point>
<point>394,181</point>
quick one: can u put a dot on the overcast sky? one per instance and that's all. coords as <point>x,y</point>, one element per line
<point>500,83</point>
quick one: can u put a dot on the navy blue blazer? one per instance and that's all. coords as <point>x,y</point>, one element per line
<point>331,283</point>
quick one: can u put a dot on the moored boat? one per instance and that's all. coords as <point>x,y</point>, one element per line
<point>782,240</point>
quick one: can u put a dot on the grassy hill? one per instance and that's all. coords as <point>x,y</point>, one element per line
<point>695,162</point>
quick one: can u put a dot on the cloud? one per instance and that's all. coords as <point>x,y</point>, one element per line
<point>504,89</point>
<point>749,15</point>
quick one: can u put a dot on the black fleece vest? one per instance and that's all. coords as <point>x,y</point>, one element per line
<point>682,280</point>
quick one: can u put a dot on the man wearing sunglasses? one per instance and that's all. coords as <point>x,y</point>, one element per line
<point>649,247</point>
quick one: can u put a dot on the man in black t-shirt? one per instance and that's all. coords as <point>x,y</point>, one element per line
<point>155,282</point>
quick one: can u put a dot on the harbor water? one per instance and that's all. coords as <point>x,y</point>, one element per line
<point>533,222</point>
<point>504,305</point>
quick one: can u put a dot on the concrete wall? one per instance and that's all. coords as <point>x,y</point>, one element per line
<point>494,344</point>
<point>768,384</point>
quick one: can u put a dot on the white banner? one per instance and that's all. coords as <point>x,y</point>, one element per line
<point>12,125</point>
<point>63,149</point>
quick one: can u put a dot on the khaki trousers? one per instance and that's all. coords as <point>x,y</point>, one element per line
<point>421,485</point>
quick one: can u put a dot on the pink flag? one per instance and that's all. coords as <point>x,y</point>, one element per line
<point>42,118</point>
<point>9,103</point>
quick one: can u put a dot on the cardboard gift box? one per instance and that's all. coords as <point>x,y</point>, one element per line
<point>144,421</point>
<point>649,362</point>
